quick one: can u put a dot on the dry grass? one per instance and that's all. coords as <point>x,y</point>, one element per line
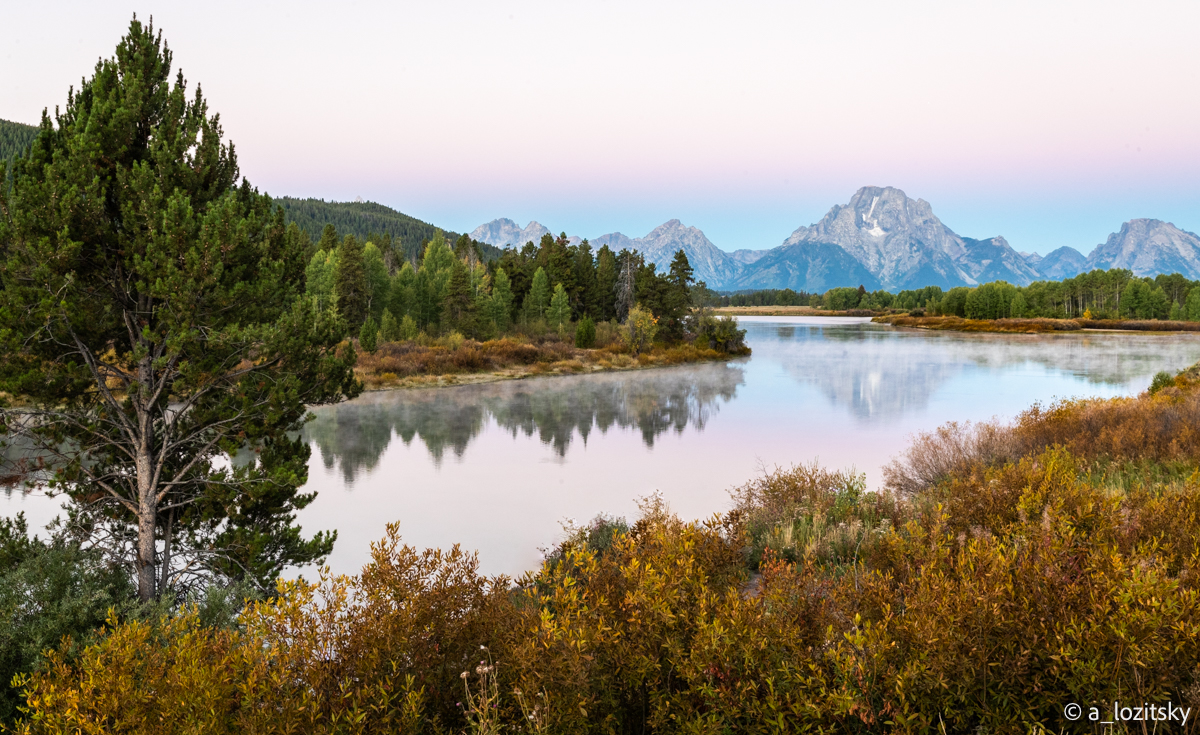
<point>1159,428</point>
<point>1143,325</point>
<point>1033,326</point>
<point>412,364</point>
<point>787,311</point>
<point>958,324</point>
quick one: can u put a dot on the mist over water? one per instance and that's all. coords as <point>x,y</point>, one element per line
<point>498,467</point>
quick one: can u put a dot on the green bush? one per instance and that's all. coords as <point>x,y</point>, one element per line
<point>368,336</point>
<point>585,333</point>
<point>49,592</point>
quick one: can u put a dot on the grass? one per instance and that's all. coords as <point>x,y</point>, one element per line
<point>1036,325</point>
<point>959,324</point>
<point>456,361</point>
<point>787,311</point>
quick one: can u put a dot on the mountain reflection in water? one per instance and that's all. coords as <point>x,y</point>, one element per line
<point>881,373</point>
<point>556,410</point>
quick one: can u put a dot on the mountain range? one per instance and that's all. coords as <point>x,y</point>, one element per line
<point>884,239</point>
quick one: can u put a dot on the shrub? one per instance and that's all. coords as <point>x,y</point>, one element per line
<point>368,335</point>
<point>585,333</point>
<point>389,328</point>
<point>408,328</point>
<point>1161,380</point>
<point>640,328</point>
<point>49,591</point>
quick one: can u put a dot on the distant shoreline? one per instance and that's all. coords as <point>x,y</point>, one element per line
<point>787,311</point>
<point>574,361</point>
<point>1036,326</point>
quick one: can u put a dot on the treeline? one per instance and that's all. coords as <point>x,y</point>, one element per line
<point>1099,294</point>
<point>763,297</point>
<point>552,285</point>
<point>368,221</point>
<point>15,139</point>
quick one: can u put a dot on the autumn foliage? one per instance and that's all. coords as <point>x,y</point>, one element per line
<point>1005,571</point>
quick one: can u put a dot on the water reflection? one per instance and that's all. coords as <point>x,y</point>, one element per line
<point>355,435</point>
<point>881,373</point>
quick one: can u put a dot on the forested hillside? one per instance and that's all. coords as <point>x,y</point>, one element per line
<point>15,138</point>
<point>367,219</point>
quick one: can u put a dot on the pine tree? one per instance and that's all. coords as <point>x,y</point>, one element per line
<point>319,275</point>
<point>606,282</point>
<point>177,335</point>
<point>586,298</point>
<point>538,298</point>
<point>408,328</point>
<point>400,294</point>
<point>458,306</point>
<point>502,300</point>
<point>329,238</point>
<point>560,307</point>
<point>368,336</point>
<point>379,282</point>
<point>585,333</point>
<point>350,283</point>
<point>389,328</point>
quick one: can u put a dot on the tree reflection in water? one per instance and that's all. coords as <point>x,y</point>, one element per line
<point>354,435</point>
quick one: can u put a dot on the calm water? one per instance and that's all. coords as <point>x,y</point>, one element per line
<point>498,467</point>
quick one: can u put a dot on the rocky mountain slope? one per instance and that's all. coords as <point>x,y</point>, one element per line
<point>1149,247</point>
<point>710,263</point>
<point>897,239</point>
<point>1066,262</point>
<point>883,239</point>
<point>814,267</point>
<point>504,232</point>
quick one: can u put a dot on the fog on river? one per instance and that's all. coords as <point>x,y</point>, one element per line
<point>498,467</point>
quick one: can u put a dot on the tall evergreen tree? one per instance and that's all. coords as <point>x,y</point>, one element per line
<point>502,301</point>
<point>400,294</point>
<point>585,301</point>
<point>379,282</point>
<point>606,283</point>
<point>175,337</point>
<point>539,295</point>
<point>350,283</point>
<point>560,307</point>
<point>319,276</point>
<point>329,238</point>
<point>458,305</point>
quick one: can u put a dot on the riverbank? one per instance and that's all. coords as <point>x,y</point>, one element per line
<point>409,364</point>
<point>1003,544</point>
<point>1033,326</point>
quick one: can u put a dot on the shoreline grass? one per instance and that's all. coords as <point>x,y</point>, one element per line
<point>450,361</point>
<point>1037,325</point>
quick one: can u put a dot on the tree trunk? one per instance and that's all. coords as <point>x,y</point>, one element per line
<point>147,522</point>
<point>147,502</point>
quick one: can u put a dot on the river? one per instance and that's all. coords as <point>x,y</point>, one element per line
<point>498,467</point>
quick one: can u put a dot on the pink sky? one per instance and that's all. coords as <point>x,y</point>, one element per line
<point>1048,123</point>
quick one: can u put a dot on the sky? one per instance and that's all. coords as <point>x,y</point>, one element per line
<point>1049,123</point>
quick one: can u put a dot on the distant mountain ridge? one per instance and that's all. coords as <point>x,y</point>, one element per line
<point>363,219</point>
<point>883,239</point>
<point>504,232</point>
